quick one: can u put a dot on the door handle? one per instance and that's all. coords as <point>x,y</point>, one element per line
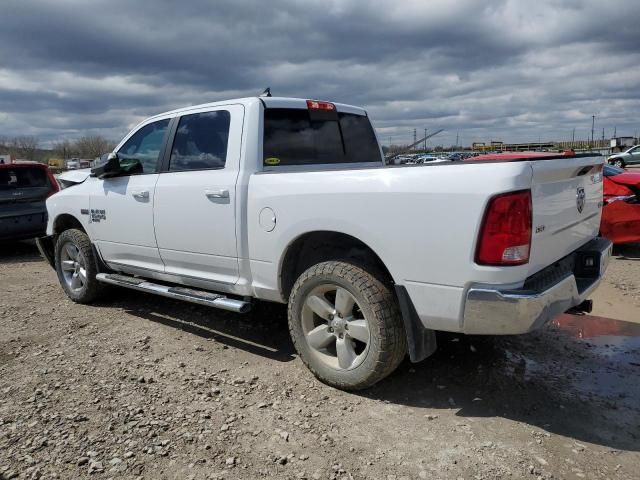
<point>217,193</point>
<point>142,195</point>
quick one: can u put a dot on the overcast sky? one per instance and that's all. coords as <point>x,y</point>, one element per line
<point>489,69</point>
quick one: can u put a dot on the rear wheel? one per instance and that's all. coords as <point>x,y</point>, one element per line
<point>618,162</point>
<point>76,266</point>
<point>346,325</point>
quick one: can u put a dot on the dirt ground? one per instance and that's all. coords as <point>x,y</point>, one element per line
<point>144,387</point>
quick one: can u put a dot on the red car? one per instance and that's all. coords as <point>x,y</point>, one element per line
<point>621,212</point>
<point>24,187</point>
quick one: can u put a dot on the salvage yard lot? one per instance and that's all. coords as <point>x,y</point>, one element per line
<point>145,387</point>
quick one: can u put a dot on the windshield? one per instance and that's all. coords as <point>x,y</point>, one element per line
<point>610,171</point>
<point>21,177</point>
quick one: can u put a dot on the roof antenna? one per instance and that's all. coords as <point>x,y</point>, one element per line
<point>266,93</point>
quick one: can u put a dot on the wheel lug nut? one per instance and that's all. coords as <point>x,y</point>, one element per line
<point>346,327</point>
<point>341,335</point>
<point>330,317</point>
<point>330,329</point>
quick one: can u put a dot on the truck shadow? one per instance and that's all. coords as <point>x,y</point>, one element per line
<point>19,252</point>
<point>263,331</point>
<point>583,388</point>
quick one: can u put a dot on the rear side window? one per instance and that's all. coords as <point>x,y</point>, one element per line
<point>23,177</point>
<point>201,141</point>
<point>301,137</point>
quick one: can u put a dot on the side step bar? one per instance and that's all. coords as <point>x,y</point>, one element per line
<point>201,297</point>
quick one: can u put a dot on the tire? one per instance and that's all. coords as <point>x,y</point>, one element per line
<point>331,337</point>
<point>618,162</point>
<point>76,266</point>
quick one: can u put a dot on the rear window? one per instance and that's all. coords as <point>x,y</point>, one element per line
<point>23,177</point>
<point>302,137</point>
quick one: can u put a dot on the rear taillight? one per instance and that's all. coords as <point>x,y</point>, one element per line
<point>316,105</point>
<point>53,182</point>
<point>505,233</point>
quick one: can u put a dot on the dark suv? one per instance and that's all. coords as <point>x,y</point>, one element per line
<point>24,187</point>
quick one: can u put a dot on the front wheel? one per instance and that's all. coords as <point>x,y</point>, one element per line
<point>76,266</point>
<point>345,325</point>
<point>618,163</point>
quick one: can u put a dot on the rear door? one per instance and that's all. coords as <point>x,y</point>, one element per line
<point>195,198</point>
<point>567,205</point>
<point>121,213</point>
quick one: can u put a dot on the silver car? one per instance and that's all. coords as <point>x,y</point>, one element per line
<point>628,157</point>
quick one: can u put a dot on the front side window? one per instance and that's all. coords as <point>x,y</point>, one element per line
<point>297,137</point>
<point>201,141</point>
<point>144,146</point>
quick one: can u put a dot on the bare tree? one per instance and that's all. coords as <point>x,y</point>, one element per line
<point>27,147</point>
<point>91,146</point>
<point>64,149</point>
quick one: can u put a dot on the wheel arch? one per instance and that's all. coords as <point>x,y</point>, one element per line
<point>318,246</point>
<point>66,221</point>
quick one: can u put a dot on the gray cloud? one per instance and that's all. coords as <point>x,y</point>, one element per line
<point>500,69</point>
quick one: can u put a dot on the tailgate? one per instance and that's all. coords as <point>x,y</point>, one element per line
<point>567,204</point>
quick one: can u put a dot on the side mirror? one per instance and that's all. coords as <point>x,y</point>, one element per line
<point>110,168</point>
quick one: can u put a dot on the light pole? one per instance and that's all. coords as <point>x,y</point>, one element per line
<point>593,124</point>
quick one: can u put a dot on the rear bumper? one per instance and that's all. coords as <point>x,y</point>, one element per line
<point>492,311</point>
<point>21,227</point>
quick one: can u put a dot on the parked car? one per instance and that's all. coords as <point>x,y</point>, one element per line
<point>24,187</point>
<point>621,212</point>
<point>628,157</point>
<point>288,200</point>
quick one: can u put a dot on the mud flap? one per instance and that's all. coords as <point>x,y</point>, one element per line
<point>45,246</point>
<point>421,342</point>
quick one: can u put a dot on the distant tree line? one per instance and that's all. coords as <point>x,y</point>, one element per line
<point>25,147</point>
<point>28,148</point>
<point>88,146</point>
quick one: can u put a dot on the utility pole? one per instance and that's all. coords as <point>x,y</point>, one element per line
<point>593,124</point>
<point>573,135</point>
<point>414,137</point>
<point>615,129</point>
<point>425,140</point>
<point>456,140</point>
<point>603,134</point>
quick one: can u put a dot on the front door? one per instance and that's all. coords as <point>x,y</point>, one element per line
<point>121,209</point>
<point>195,200</point>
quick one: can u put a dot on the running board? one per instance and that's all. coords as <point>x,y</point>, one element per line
<point>201,297</point>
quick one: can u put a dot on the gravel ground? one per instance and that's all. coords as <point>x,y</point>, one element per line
<point>144,387</point>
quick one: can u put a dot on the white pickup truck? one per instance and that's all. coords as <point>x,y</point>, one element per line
<point>289,200</point>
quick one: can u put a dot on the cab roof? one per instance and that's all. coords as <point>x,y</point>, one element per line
<point>269,102</point>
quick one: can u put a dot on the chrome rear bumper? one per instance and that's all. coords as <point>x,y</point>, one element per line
<point>490,311</point>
